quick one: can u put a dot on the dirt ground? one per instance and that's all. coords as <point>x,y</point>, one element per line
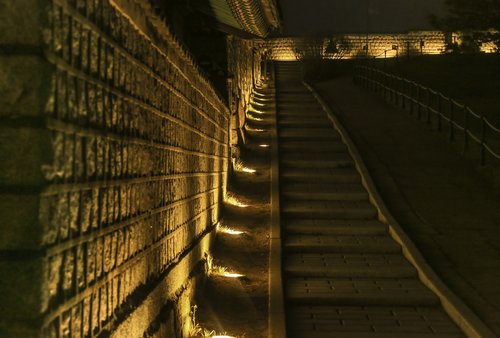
<point>238,307</point>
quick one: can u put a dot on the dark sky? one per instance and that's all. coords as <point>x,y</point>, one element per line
<point>351,16</point>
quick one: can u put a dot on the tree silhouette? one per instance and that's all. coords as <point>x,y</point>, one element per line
<point>478,20</point>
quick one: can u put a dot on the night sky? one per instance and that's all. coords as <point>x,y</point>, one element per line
<point>304,17</point>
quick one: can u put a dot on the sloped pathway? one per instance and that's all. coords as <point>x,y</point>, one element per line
<point>441,199</point>
<point>343,274</point>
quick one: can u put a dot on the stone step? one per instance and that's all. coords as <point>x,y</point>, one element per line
<point>320,175</point>
<point>341,244</point>
<point>369,322</point>
<point>304,119</point>
<point>297,96</point>
<point>293,91</point>
<point>264,97</point>
<point>323,191</point>
<point>299,134</point>
<point>294,112</point>
<point>311,124</point>
<point>316,160</point>
<point>260,122</point>
<point>298,111</point>
<point>329,209</point>
<point>352,332</point>
<point>312,145</point>
<point>348,265</point>
<point>339,160</point>
<point>302,114</point>
<point>358,292</point>
<point>334,227</point>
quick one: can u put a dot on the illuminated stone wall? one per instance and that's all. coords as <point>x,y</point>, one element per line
<point>114,159</point>
<point>379,45</point>
<point>244,68</point>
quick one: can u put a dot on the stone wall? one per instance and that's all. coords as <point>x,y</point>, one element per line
<point>114,153</point>
<point>244,61</point>
<point>364,45</point>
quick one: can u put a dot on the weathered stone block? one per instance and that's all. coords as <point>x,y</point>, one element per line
<point>18,217</point>
<point>24,84</point>
<point>23,153</point>
<point>112,140</point>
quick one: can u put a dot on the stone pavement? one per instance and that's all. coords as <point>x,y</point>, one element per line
<point>448,209</point>
<point>343,274</point>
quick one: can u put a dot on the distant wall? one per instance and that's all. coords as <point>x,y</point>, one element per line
<point>365,45</point>
<point>114,156</point>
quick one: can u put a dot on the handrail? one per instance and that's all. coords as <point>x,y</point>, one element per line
<point>413,96</point>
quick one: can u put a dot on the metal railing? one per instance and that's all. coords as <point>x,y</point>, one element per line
<point>435,109</point>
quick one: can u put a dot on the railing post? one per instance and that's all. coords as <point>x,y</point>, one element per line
<point>410,96</point>
<point>466,129</point>
<point>409,91</point>
<point>400,96</point>
<point>397,90</point>
<point>428,105</point>
<point>384,86</point>
<point>372,79</point>
<point>419,102</point>
<point>393,91</point>
<point>452,111</point>
<point>404,90</point>
<point>389,87</point>
<point>440,106</point>
<point>372,83</point>
<point>483,139</point>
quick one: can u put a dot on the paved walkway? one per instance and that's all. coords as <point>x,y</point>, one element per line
<point>344,275</point>
<point>443,203</point>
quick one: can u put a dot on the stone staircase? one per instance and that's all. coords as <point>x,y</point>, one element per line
<point>343,274</point>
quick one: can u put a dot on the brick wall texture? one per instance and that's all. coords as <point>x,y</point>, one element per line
<point>114,162</point>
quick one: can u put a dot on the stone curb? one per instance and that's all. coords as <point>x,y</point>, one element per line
<point>277,327</point>
<point>460,313</point>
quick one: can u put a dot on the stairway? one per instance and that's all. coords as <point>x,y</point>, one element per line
<point>343,274</point>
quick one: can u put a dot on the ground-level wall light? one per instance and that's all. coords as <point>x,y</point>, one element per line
<point>253,118</point>
<point>256,111</point>
<point>229,231</point>
<point>221,271</point>
<point>264,145</point>
<point>240,167</point>
<point>248,170</point>
<point>253,129</point>
<point>232,275</point>
<point>232,200</point>
<point>257,103</point>
<point>261,97</point>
